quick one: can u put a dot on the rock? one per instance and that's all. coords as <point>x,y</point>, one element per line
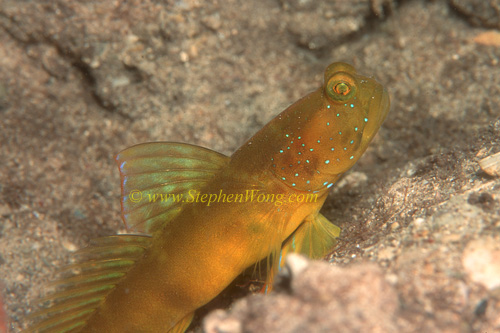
<point>479,12</point>
<point>481,260</point>
<point>322,298</point>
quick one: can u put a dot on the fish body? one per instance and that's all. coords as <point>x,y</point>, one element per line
<point>208,256</point>
<point>229,214</point>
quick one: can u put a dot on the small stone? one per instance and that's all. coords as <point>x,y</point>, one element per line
<point>120,81</point>
<point>387,253</point>
<point>219,322</point>
<point>296,264</point>
<point>184,56</point>
<point>69,246</point>
<point>491,165</point>
<point>453,238</point>
<point>394,226</point>
<point>481,260</point>
<point>392,279</point>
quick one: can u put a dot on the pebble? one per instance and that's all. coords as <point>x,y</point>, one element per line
<point>481,260</point>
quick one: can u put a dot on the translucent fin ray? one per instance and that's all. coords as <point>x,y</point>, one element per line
<point>313,238</point>
<point>157,176</point>
<point>270,264</point>
<point>182,325</point>
<point>100,268</point>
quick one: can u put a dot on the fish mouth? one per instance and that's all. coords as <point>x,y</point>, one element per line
<point>377,112</point>
<point>381,109</point>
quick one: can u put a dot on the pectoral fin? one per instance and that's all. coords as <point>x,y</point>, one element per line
<point>182,325</point>
<point>313,238</point>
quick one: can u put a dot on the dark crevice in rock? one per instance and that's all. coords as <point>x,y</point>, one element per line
<point>75,60</point>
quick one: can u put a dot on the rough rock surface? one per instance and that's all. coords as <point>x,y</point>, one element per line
<point>479,12</point>
<point>81,80</point>
<point>316,298</point>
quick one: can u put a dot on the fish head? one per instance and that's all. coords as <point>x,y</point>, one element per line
<point>328,130</point>
<point>354,107</point>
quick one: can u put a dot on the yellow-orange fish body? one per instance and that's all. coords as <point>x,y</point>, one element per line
<point>262,202</point>
<point>210,252</point>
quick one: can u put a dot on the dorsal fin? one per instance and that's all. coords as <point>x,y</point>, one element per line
<point>99,268</point>
<point>152,171</point>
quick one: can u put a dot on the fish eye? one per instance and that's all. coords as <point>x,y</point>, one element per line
<point>341,87</point>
